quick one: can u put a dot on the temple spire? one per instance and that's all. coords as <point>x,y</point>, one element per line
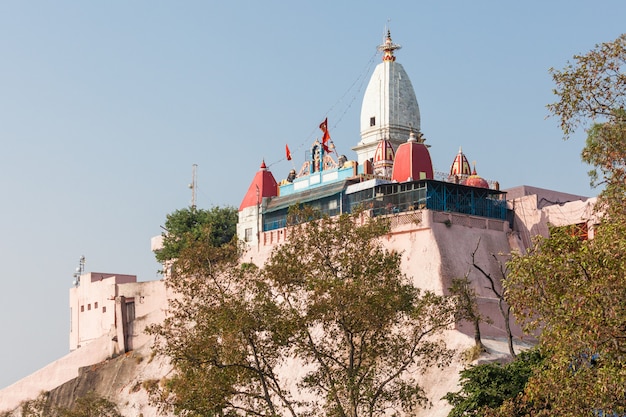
<point>389,109</point>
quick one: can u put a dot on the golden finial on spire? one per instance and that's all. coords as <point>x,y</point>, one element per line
<point>388,47</point>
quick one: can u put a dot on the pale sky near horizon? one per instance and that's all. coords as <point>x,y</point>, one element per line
<point>105,107</point>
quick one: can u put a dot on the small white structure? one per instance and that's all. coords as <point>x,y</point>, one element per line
<point>115,305</point>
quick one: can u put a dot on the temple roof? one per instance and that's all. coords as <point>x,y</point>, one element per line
<point>308,195</point>
<point>263,185</point>
<point>384,154</point>
<point>460,165</point>
<point>412,161</point>
<point>475,180</point>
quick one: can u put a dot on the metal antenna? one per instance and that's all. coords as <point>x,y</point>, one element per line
<point>193,186</point>
<point>80,269</point>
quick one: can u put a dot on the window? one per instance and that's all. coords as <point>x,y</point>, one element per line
<point>82,308</point>
<point>88,307</point>
<point>372,121</point>
<point>95,305</point>
<point>579,230</point>
<point>104,309</point>
<point>248,236</point>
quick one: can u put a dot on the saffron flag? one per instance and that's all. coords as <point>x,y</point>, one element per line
<point>324,125</point>
<point>287,152</point>
<point>326,136</point>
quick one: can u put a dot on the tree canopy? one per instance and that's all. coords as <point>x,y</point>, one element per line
<point>572,291</point>
<point>222,335</point>
<point>185,226</point>
<point>360,324</point>
<point>328,326</point>
<point>592,88</point>
<point>489,386</point>
<point>568,289</point>
<point>89,405</point>
<point>591,93</point>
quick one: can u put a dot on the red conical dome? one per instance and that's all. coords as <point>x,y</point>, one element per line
<point>263,185</point>
<point>475,180</point>
<point>412,161</point>
<point>384,152</point>
<point>460,165</point>
<point>383,158</point>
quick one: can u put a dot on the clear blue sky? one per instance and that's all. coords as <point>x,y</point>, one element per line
<point>105,106</point>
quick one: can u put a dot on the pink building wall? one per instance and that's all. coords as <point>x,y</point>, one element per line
<point>92,306</point>
<point>94,333</point>
<point>436,248</point>
<point>94,311</point>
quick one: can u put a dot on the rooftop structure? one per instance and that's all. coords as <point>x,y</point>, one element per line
<point>392,171</point>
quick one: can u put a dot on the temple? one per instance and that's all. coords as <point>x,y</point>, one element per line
<point>442,223</point>
<point>392,172</point>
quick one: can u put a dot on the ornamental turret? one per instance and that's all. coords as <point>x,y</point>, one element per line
<point>262,188</point>
<point>383,159</point>
<point>263,185</point>
<point>460,168</point>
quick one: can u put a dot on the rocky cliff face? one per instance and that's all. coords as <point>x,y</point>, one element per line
<point>121,380</point>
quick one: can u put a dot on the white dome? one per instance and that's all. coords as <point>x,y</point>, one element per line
<point>389,110</point>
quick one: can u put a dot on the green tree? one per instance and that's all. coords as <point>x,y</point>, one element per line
<point>359,324</point>
<point>185,226</point>
<point>592,88</point>
<point>572,290</point>
<point>605,150</point>
<point>489,386</point>
<point>591,92</point>
<point>223,335</point>
<point>90,405</point>
<point>468,307</point>
<point>330,303</point>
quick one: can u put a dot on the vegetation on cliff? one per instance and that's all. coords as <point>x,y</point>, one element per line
<point>89,405</point>
<point>488,386</point>
<point>329,324</point>
<point>570,289</point>
<point>186,226</point>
